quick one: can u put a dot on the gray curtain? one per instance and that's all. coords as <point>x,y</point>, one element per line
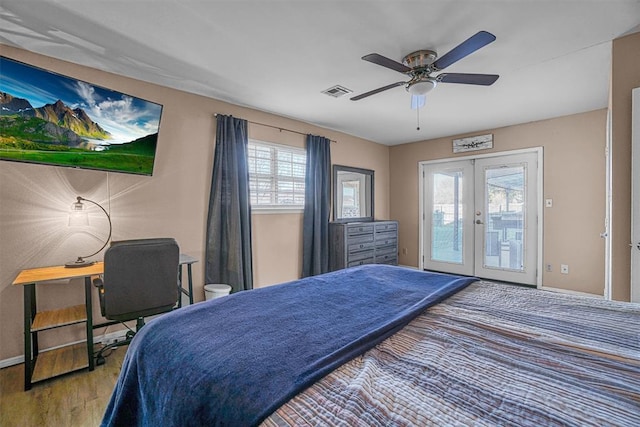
<point>228,240</point>
<point>315,232</point>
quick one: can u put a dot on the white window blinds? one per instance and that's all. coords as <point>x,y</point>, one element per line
<point>276,175</point>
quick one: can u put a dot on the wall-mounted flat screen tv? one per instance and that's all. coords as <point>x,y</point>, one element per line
<point>52,119</point>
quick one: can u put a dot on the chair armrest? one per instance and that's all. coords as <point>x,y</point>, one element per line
<point>98,283</point>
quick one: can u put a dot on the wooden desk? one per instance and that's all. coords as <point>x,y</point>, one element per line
<point>49,364</point>
<point>38,367</point>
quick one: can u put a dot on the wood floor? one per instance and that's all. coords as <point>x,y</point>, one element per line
<point>74,400</point>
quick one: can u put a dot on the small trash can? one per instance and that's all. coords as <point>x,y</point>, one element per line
<point>216,290</point>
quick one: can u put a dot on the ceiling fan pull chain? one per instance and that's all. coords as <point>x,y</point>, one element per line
<point>418,118</point>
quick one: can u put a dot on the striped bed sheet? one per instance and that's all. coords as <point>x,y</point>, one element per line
<point>492,354</point>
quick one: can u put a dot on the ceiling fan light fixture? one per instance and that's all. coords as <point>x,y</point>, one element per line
<point>418,101</point>
<point>422,87</point>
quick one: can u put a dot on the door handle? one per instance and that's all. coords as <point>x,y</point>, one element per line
<point>479,221</point>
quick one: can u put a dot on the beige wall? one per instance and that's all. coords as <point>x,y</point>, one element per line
<point>625,75</point>
<point>574,177</point>
<point>34,199</point>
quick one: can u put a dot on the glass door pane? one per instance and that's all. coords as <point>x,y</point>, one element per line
<point>447,217</point>
<point>505,218</point>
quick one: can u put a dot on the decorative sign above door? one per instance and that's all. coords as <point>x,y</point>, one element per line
<point>473,143</point>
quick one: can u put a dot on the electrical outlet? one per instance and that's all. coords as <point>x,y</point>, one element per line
<point>564,269</point>
<point>548,203</point>
<point>549,268</point>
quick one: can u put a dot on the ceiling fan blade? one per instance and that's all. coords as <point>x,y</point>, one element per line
<point>469,79</point>
<point>467,47</point>
<point>386,62</point>
<point>380,89</point>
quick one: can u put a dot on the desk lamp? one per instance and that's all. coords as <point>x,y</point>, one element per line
<point>78,216</point>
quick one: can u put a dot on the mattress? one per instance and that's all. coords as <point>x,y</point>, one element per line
<point>493,354</point>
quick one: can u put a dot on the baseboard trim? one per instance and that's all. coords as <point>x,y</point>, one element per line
<point>570,292</point>
<point>97,339</point>
<point>11,361</point>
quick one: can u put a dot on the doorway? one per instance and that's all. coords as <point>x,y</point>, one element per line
<point>480,216</point>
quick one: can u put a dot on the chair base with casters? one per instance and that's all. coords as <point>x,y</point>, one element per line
<point>140,279</point>
<point>100,357</point>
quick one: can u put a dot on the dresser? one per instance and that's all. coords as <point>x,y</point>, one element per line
<point>358,243</point>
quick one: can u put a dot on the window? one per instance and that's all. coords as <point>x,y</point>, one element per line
<point>276,175</point>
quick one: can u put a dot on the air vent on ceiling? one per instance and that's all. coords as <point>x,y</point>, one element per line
<point>337,91</point>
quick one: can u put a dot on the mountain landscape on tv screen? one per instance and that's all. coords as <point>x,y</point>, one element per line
<point>59,135</point>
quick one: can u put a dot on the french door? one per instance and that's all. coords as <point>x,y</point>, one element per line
<point>480,217</point>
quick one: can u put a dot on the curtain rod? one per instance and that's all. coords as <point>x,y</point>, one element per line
<point>277,127</point>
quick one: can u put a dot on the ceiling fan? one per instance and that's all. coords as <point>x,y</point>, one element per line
<point>420,65</point>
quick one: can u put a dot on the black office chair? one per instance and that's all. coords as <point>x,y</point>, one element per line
<point>140,279</point>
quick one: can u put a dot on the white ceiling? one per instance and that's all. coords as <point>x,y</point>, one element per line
<point>553,57</point>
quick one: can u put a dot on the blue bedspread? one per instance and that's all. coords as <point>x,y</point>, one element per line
<point>234,360</point>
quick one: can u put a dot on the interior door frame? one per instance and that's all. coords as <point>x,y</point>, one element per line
<point>606,235</point>
<point>635,196</point>
<point>539,151</point>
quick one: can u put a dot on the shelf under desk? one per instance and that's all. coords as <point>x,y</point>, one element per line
<point>38,367</point>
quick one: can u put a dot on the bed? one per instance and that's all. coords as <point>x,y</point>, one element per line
<point>384,345</point>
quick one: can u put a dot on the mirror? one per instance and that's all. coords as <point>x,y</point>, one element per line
<point>352,194</point>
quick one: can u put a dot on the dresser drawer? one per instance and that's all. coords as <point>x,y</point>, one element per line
<point>360,262</point>
<point>390,258</point>
<point>353,230</point>
<point>387,226</point>
<point>386,236</point>
<point>386,250</point>
<point>355,256</point>
<point>389,241</point>
<point>389,261</point>
<point>357,247</point>
<point>360,238</point>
